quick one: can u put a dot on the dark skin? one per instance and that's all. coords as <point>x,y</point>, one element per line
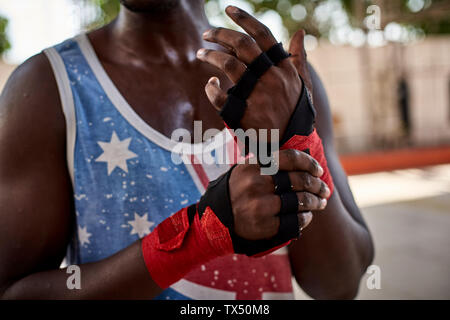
<point>137,51</point>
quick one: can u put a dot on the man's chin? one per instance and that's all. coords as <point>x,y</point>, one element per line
<point>148,6</point>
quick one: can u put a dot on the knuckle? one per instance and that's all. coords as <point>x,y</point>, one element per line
<point>266,183</point>
<point>292,154</point>
<point>206,53</point>
<point>230,63</point>
<point>314,166</point>
<point>241,15</point>
<point>255,179</point>
<point>256,225</point>
<point>322,188</point>
<point>256,209</point>
<point>307,180</point>
<point>218,100</point>
<point>243,42</point>
<point>249,182</point>
<point>215,32</point>
<point>307,200</point>
<point>262,32</point>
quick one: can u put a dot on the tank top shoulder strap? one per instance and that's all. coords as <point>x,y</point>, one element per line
<point>56,56</point>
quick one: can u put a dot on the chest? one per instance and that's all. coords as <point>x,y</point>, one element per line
<point>168,97</point>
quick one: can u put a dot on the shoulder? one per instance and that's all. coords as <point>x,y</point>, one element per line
<point>30,110</point>
<point>32,94</point>
<point>32,83</point>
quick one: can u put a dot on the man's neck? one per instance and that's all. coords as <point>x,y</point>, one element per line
<point>173,35</point>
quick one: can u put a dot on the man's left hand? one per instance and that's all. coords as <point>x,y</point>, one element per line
<point>276,93</point>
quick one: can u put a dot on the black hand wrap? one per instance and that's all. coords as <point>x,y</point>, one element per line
<point>235,105</point>
<point>302,119</point>
<point>217,197</point>
<point>277,53</point>
<point>282,182</point>
<point>300,123</point>
<point>284,188</point>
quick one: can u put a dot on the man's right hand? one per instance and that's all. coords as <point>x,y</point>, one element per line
<point>238,213</point>
<point>255,204</point>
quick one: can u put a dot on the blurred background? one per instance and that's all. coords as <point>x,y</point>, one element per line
<point>386,67</point>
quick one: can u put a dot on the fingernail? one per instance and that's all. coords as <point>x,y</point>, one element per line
<point>207,33</point>
<point>215,81</point>
<point>319,167</point>
<point>327,191</point>
<point>232,9</point>
<point>323,203</point>
<point>201,53</point>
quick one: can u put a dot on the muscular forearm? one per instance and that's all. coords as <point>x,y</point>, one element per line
<point>121,276</point>
<point>333,253</point>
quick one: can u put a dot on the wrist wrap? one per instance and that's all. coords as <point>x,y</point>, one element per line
<point>182,242</point>
<point>300,134</point>
<point>204,231</point>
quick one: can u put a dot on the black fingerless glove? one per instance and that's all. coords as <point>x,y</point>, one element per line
<point>217,197</point>
<point>302,119</point>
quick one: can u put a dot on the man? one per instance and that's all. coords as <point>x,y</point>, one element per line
<point>84,168</point>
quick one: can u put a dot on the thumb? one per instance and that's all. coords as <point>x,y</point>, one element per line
<point>298,58</point>
<point>215,94</point>
<point>297,49</point>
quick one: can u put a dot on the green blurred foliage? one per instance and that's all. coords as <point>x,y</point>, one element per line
<point>434,17</point>
<point>4,43</point>
<point>285,9</point>
<point>107,11</point>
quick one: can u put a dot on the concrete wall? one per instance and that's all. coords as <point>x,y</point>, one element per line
<point>362,88</point>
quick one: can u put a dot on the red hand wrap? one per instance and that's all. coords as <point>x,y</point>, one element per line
<point>174,248</point>
<point>314,144</point>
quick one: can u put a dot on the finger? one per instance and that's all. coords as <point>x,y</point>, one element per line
<point>303,181</point>
<point>241,44</point>
<point>294,160</point>
<point>262,35</point>
<point>215,94</point>
<point>230,65</point>
<point>267,222</point>
<point>304,219</point>
<point>308,202</point>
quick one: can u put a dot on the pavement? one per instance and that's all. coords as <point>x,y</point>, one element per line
<point>408,213</point>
